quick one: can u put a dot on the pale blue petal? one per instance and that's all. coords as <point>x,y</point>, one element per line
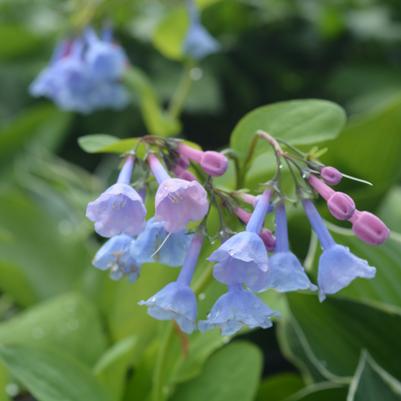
<point>174,302</point>
<point>287,274</point>
<point>338,267</point>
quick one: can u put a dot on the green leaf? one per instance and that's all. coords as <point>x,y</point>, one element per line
<point>51,375</point>
<point>156,120</point>
<point>231,374</point>
<point>69,322</point>
<point>299,122</point>
<point>279,387</point>
<point>43,123</point>
<point>102,143</point>
<point>372,383</point>
<point>365,133</point>
<point>351,327</point>
<point>50,258</point>
<point>320,392</point>
<point>3,382</point>
<point>169,35</point>
<point>111,369</point>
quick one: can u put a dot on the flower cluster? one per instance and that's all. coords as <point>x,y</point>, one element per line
<point>84,74</point>
<point>247,262</point>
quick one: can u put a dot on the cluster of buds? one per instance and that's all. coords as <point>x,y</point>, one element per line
<point>85,74</point>
<point>247,262</point>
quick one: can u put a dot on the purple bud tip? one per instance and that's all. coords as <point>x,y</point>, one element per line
<point>190,153</point>
<point>268,239</point>
<point>331,175</point>
<point>320,187</point>
<point>183,174</point>
<point>341,206</point>
<point>214,163</point>
<point>369,228</point>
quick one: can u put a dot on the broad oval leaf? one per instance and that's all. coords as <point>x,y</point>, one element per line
<point>372,383</point>
<point>351,327</point>
<point>298,122</point>
<point>51,375</point>
<point>103,143</point>
<point>231,374</point>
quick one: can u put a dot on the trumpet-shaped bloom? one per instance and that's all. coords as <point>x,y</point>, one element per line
<point>178,202</point>
<point>118,210</point>
<point>175,301</point>
<point>285,270</point>
<point>286,273</point>
<point>338,267</point>
<point>155,244</point>
<point>114,255</point>
<point>235,309</point>
<point>241,259</point>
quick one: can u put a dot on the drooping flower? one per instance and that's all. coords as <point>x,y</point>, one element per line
<point>338,267</point>
<point>237,308</point>
<point>243,259</point>
<point>286,272</point>
<point>176,301</point>
<point>369,228</point>
<point>198,42</point>
<point>84,75</point>
<point>177,201</point>
<point>155,244</point>
<point>120,209</point>
<point>114,255</point>
<point>105,59</point>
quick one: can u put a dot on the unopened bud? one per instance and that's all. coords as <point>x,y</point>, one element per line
<point>341,206</point>
<point>369,228</point>
<point>214,163</point>
<point>331,175</point>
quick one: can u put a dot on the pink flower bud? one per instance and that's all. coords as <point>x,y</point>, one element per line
<point>183,162</point>
<point>369,228</point>
<point>183,173</point>
<point>189,152</point>
<point>331,175</point>
<point>320,187</point>
<point>214,163</point>
<point>341,206</point>
<point>268,239</point>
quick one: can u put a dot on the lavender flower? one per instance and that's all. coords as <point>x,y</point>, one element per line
<point>285,270</point>
<point>84,75</point>
<point>235,309</point>
<point>155,244</point>
<point>114,255</point>
<point>106,60</point>
<point>242,259</point>
<point>338,267</point>
<point>177,201</point>
<point>120,209</point>
<point>176,301</point>
<point>198,43</point>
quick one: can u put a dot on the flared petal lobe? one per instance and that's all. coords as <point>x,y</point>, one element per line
<point>179,202</point>
<point>155,244</point>
<point>118,210</point>
<point>174,302</point>
<point>114,255</point>
<point>235,309</point>
<point>338,267</point>
<point>241,259</point>
<point>286,273</point>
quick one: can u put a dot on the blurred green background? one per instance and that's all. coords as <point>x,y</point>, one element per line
<point>68,333</point>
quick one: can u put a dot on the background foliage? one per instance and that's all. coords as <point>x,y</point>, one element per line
<point>67,332</point>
